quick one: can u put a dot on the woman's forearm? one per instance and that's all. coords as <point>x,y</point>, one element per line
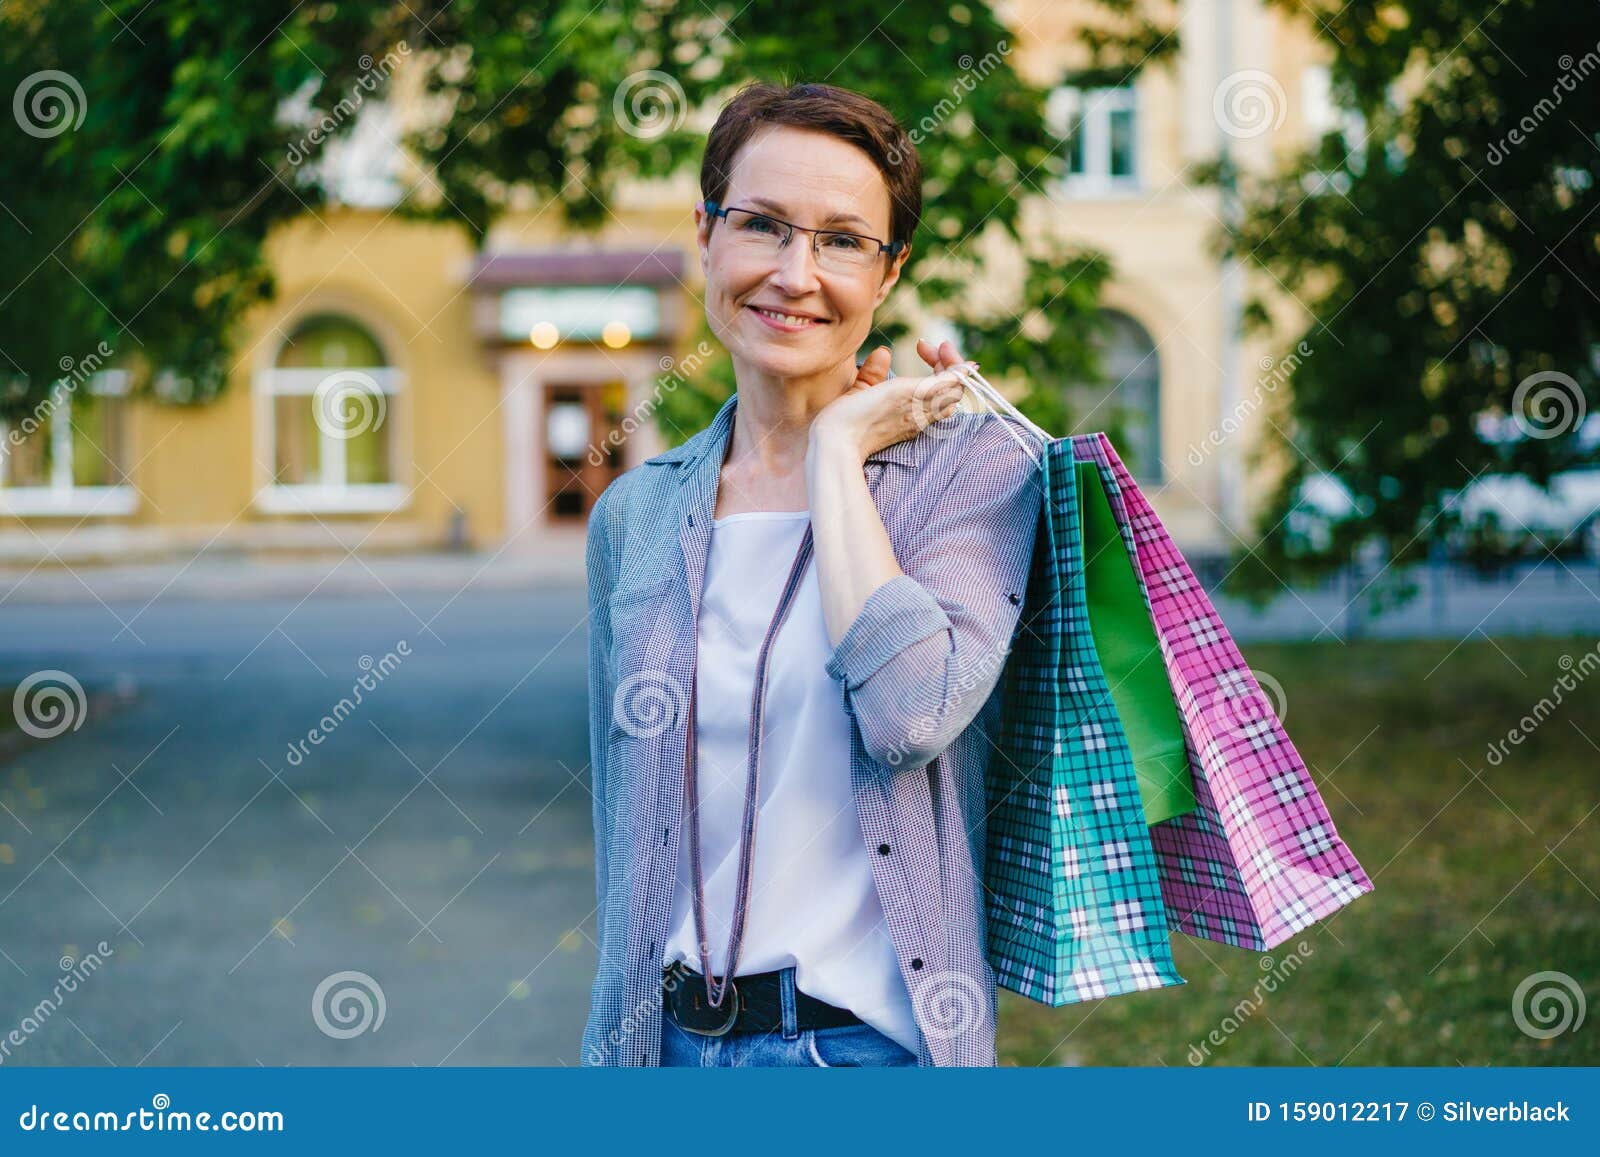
<point>854,556</point>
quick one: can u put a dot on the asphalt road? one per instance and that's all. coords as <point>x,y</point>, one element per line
<point>417,887</point>
<point>436,841</point>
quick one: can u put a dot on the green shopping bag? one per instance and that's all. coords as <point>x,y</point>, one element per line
<point>1125,638</point>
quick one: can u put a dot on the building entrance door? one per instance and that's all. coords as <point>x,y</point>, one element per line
<point>580,459</point>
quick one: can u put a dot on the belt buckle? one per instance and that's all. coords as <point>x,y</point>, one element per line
<point>731,996</point>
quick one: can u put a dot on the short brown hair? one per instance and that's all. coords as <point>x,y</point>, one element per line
<point>823,108</point>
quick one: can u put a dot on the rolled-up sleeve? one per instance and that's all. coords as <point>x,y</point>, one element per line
<point>928,647</point>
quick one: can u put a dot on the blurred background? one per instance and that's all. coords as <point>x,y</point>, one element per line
<point>322,327</point>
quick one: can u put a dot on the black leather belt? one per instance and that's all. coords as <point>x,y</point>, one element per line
<point>759,1000</point>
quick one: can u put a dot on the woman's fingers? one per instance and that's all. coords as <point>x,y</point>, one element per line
<point>874,371</point>
<point>940,357</point>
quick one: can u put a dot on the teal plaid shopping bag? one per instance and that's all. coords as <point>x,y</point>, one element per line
<point>1074,905</point>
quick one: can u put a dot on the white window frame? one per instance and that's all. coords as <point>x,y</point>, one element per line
<point>1096,105</point>
<point>61,498</point>
<point>331,495</point>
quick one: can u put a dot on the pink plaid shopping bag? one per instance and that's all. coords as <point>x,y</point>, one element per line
<point>1259,859</point>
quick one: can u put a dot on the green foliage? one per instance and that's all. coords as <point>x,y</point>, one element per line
<point>1442,264</point>
<point>143,226</point>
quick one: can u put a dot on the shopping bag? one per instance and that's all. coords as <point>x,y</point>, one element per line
<point>1258,859</point>
<point>1074,908</point>
<point>1125,641</point>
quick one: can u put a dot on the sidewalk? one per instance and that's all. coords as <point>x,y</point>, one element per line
<point>233,576</point>
<point>1550,598</point>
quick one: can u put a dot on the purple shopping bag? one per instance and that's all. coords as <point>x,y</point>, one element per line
<point>1259,859</point>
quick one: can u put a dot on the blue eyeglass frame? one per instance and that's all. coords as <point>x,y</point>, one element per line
<point>891,248</point>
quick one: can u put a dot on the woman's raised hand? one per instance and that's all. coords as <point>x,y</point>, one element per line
<point>878,411</point>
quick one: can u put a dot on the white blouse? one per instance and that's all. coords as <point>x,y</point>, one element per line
<point>813,903</point>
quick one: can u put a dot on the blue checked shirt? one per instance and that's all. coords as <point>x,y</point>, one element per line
<point>918,671</point>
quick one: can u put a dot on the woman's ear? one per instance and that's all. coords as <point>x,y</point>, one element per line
<point>896,263</point>
<point>702,233</point>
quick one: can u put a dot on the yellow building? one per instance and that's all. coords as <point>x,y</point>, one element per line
<point>404,393</point>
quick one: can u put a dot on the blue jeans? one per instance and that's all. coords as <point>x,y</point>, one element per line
<point>843,1046</point>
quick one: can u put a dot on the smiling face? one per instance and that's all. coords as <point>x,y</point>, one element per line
<point>781,316</point>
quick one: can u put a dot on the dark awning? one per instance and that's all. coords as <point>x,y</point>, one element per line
<point>533,267</point>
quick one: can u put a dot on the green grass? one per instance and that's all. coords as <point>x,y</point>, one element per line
<point>1478,882</point>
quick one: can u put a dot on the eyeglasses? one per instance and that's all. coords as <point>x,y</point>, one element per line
<point>759,235</point>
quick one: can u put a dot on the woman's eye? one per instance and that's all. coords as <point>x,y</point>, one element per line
<point>846,241</point>
<point>759,225</point>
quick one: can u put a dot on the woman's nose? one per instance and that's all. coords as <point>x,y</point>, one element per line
<point>797,267</point>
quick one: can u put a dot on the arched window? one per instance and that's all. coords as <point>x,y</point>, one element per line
<point>1126,402</point>
<point>328,407</point>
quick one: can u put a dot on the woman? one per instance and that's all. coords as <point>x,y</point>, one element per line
<point>797,619</point>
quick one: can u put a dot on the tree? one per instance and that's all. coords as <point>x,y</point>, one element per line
<point>1443,246</point>
<point>147,205</point>
<point>147,162</point>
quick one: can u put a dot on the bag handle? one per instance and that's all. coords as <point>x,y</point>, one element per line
<point>997,402</point>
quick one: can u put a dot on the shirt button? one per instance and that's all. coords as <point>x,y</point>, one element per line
<point>917,963</point>
<point>883,849</point>
<point>1014,597</point>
